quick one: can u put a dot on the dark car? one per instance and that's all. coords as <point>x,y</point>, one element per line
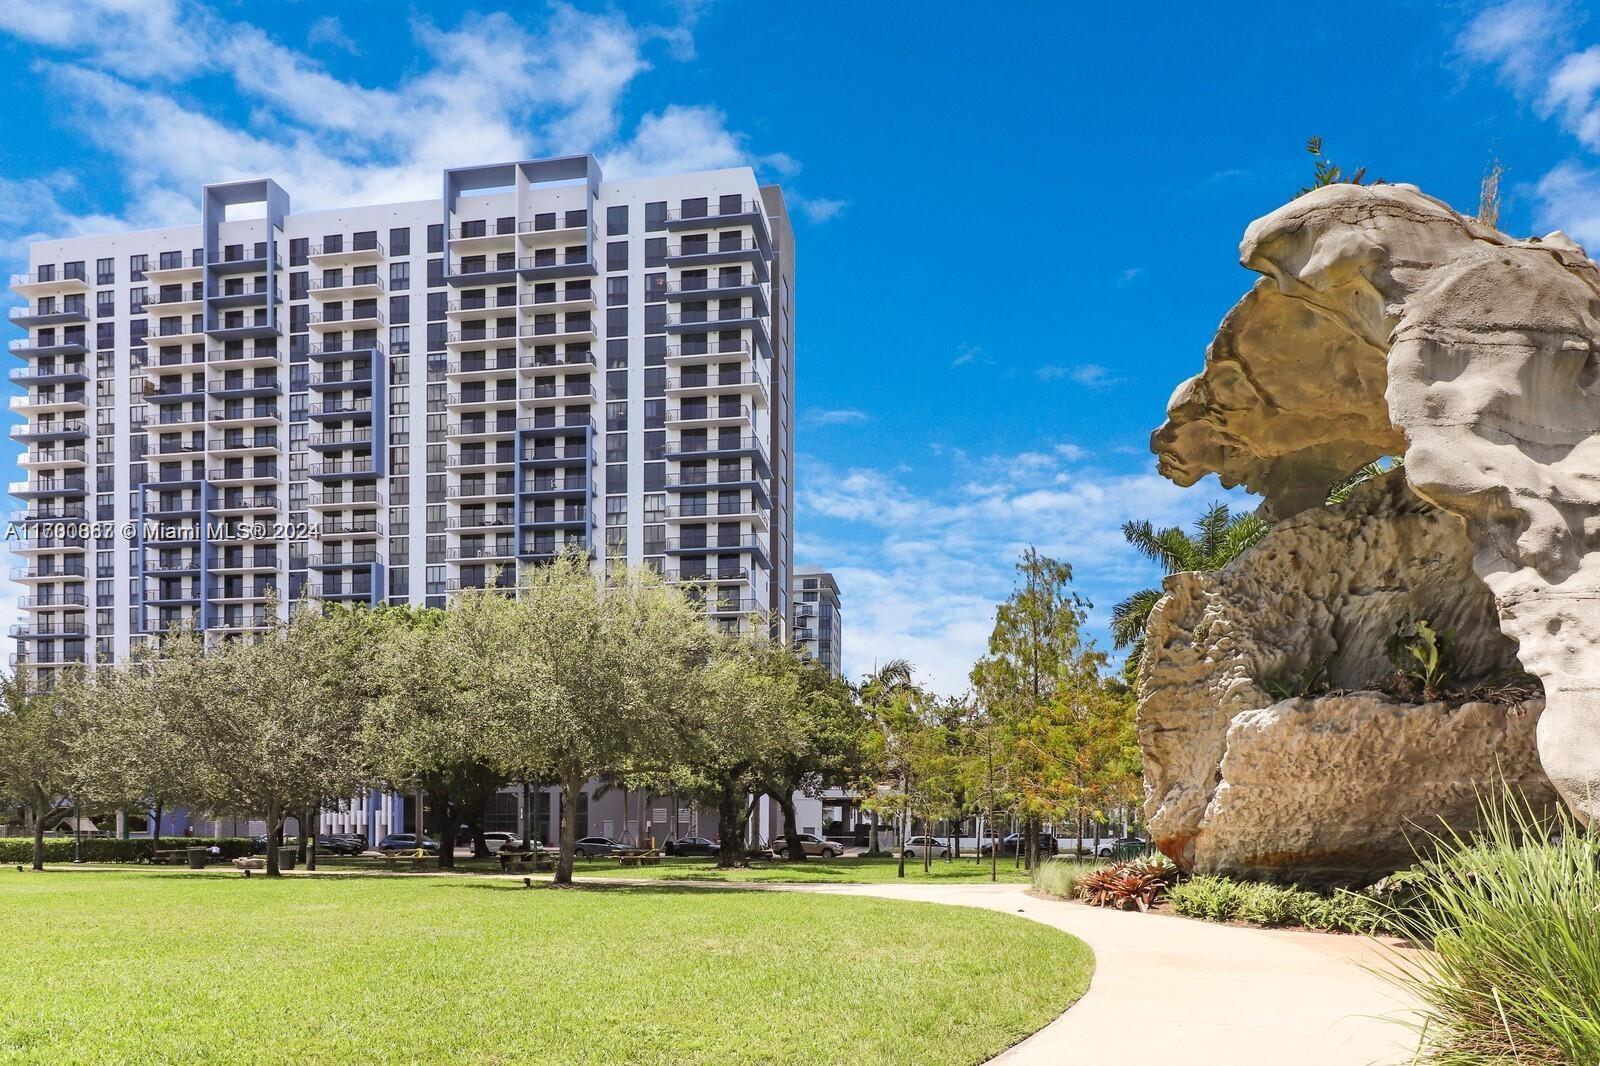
<point>1048,844</point>
<point>589,847</point>
<point>693,846</point>
<point>341,844</point>
<point>406,842</point>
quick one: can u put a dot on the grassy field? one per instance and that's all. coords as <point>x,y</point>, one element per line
<point>121,966</point>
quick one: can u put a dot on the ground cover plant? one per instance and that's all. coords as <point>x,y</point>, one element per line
<point>125,966</point>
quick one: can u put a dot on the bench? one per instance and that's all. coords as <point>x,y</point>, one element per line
<point>642,858</point>
<point>415,857</point>
<point>519,860</point>
<point>175,857</point>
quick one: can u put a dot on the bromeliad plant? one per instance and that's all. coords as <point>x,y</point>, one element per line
<point>1133,885</point>
<point>1418,652</point>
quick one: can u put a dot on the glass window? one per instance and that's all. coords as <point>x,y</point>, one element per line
<point>617,322</point>
<point>655,216</point>
<point>655,252</point>
<point>400,240</point>
<point>137,265</point>
<point>617,220</point>
<point>616,255</point>
<point>400,273</point>
<point>617,291</point>
<point>105,272</point>
<point>435,238</point>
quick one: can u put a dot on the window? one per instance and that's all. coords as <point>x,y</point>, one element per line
<point>616,448</point>
<point>105,302</point>
<point>399,275</point>
<point>105,272</point>
<point>617,322</point>
<point>616,384</point>
<point>616,255</point>
<point>655,217</point>
<point>399,309</point>
<point>435,273</point>
<point>617,220</point>
<point>137,265</point>
<point>299,251</point>
<point>400,241</point>
<point>617,291</point>
<point>655,252</point>
<point>435,238</point>
<point>136,299</point>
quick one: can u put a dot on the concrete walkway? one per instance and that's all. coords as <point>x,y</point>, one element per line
<point>1169,989</point>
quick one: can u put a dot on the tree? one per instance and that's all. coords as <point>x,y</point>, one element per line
<point>280,731</point>
<point>37,730</point>
<point>1036,635</point>
<point>595,678</point>
<point>826,733</point>
<point>1327,172</point>
<point>132,750</point>
<point>892,699</point>
<point>1219,538</point>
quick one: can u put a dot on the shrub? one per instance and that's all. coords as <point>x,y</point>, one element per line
<point>1135,883</point>
<point>1214,899</point>
<point>109,849</point>
<point>1514,974</point>
<point>1061,877</point>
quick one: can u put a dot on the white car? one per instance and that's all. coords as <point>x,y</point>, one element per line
<point>917,847</point>
<point>496,841</point>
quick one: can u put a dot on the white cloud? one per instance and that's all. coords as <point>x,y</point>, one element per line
<point>489,88</point>
<point>329,31</point>
<point>1568,199</point>
<point>839,416</point>
<point>921,572</point>
<point>1517,37</point>
<point>1088,375</point>
<point>816,209</point>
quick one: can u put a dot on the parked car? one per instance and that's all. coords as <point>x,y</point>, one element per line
<point>1122,847</point>
<point>1048,845</point>
<point>693,846</point>
<point>813,845</point>
<point>916,847</point>
<point>341,844</point>
<point>406,842</point>
<point>496,841</point>
<point>590,847</point>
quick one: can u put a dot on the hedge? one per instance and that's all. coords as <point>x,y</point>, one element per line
<point>103,849</point>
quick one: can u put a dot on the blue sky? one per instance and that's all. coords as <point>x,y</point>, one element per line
<point>1016,233</point>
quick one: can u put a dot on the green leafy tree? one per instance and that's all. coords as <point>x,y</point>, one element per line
<point>37,730</point>
<point>1219,538</point>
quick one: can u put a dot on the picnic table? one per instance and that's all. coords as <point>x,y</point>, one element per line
<point>517,859</point>
<point>640,858</point>
<point>173,856</point>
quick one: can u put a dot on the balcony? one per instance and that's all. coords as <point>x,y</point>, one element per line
<point>338,469</point>
<point>709,352</point>
<point>367,250</point>
<point>740,510</point>
<point>558,230</point>
<point>466,368</point>
<point>338,380</point>
<point>166,504</point>
<point>689,386</point>
<point>28,347</point>
<point>570,361</point>
<point>568,390</point>
<point>49,313</point>
<point>344,560</point>
<point>71,570</point>
<point>172,419</point>
<point>343,438</point>
<point>481,338</point>
<point>239,263</point>
<point>50,600</point>
<point>689,325</point>
<point>571,329</point>
<point>570,455</point>
<point>346,498</point>
<point>185,302</point>
<point>339,318</point>
<point>568,518</point>
<point>688,255</point>
<point>235,561</point>
<point>238,592</point>
<point>481,428</point>
<point>721,607</point>
<point>573,297</point>
<point>51,280</point>
<point>482,270</point>
<point>353,286</point>
<point>240,444</point>
<point>711,416</point>
<point>257,295</point>
<point>503,489</point>
<point>242,357</point>
<point>359,408</point>
<point>477,518</point>
<point>49,630</point>
<point>246,503</point>
<point>42,457</point>
<point>242,416</point>
<point>483,458</point>
<point>719,448</point>
<point>243,474</point>
<point>480,400</point>
<point>472,307</point>
<point>481,239</point>
<point>719,215</point>
<point>244,387</point>
<point>500,549</point>
<point>570,425</point>
<point>538,487</point>
<point>51,374</point>
<point>173,267</point>
<point>176,593</point>
<point>158,564</point>
<point>549,266</point>
<point>721,477</point>
<point>716,287</point>
<point>49,514</point>
<point>39,488</point>
<point>172,334</point>
<point>355,349</point>
<point>359,526</point>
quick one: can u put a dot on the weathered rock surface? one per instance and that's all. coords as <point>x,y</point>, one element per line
<point>1333,787</point>
<point>1387,322</point>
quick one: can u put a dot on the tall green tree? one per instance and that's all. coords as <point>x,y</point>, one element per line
<point>37,730</point>
<point>1219,538</point>
<point>893,701</point>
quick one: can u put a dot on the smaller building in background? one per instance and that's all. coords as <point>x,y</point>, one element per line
<point>817,623</point>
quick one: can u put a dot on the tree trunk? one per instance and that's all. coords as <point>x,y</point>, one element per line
<point>527,817</point>
<point>480,846</point>
<point>274,815</point>
<point>571,785</point>
<point>448,817</point>
<point>309,839</point>
<point>39,812</point>
<point>300,845</point>
<point>155,830</point>
<point>1033,842</point>
<point>872,847</point>
<point>796,851</point>
<point>730,824</point>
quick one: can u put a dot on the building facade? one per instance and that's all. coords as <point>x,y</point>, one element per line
<point>390,403</point>
<point>818,626</point>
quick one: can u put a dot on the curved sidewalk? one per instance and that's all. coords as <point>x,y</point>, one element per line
<point>1174,989</point>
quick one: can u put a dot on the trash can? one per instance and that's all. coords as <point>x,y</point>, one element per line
<point>1129,851</point>
<point>285,858</point>
<point>197,858</point>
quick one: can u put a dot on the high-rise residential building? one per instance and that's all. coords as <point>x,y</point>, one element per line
<point>817,625</point>
<point>389,403</point>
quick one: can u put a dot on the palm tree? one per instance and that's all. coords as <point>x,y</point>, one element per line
<point>1343,490</point>
<point>1219,538</point>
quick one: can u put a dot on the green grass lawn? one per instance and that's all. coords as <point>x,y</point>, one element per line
<point>122,966</point>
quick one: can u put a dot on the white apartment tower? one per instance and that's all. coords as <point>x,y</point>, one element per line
<point>818,625</point>
<point>390,403</point>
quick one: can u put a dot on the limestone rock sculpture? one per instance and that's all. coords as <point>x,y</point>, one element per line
<point>1386,323</point>
<point>1339,786</point>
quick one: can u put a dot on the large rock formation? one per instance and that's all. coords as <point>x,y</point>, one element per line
<point>1342,784</point>
<point>1386,323</point>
